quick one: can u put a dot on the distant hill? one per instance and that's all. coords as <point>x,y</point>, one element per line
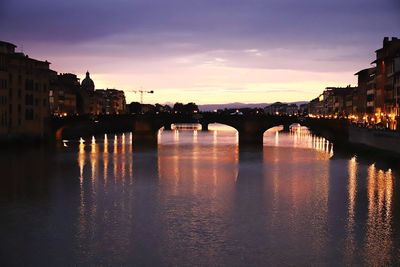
<point>238,105</point>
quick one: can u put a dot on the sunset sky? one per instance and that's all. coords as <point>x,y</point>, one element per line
<point>210,51</point>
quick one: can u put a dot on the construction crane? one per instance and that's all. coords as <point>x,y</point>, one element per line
<point>141,94</point>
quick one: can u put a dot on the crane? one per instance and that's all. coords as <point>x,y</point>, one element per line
<point>141,94</point>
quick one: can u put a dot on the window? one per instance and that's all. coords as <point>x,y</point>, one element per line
<point>29,85</point>
<point>29,100</point>
<point>29,114</point>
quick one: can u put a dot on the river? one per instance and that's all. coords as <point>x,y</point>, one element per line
<point>197,201</point>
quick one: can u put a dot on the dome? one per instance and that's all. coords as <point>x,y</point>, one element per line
<point>87,83</point>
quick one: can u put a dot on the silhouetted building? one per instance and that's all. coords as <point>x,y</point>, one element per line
<point>338,100</point>
<point>279,108</point>
<point>292,109</point>
<point>316,106</point>
<point>86,101</point>
<point>24,91</point>
<point>110,101</point>
<point>365,96</point>
<point>188,108</point>
<point>303,109</point>
<point>275,108</point>
<point>64,89</point>
<point>87,83</point>
<point>98,102</point>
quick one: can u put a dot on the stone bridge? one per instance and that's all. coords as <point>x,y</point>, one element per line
<point>250,128</point>
<point>145,127</point>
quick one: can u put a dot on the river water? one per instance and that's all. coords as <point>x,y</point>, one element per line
<point>197,201</point>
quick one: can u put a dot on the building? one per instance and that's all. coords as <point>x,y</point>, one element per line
<point>303,109</point>
<point>63,94</point>
<point>292,109</point>
<point>110,101</point>
<point>279,108</point>
<point>377,96</point>
<point>338,100</point>
<point>365,95</point>
<point>24,91</point>
<point>396,82</point>
<point>276,108</point>
<point>386,78</point>
<point>86,101</point>
<point>316,106</point>
<point>99,101</point>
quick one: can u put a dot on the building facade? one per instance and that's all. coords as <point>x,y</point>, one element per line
<point>279,108</point>
<point>63,92</point>
<point>110,101</point>
<point>99,101</point>
<point>24,90</point>
<point>386,79</point>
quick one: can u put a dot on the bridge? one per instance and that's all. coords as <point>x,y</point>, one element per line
<point>145,127</point>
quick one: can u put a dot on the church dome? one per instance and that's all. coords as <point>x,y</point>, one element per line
<point>87,83</point>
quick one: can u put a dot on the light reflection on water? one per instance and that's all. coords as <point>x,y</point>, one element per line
<point>197,200</point>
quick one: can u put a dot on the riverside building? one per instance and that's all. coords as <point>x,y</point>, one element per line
<point>24,91</point>
<point>100,101</point>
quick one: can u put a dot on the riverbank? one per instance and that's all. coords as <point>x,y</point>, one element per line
<point>388,141</point>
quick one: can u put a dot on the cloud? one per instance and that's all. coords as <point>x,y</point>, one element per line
<point>185,42</point>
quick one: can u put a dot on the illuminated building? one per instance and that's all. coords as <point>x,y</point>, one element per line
<point>24,91</point>
<point>387,75</point>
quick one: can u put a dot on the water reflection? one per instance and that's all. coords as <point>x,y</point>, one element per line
<point>197,200</point>
<point>197,181</point>
<point>378,244</point>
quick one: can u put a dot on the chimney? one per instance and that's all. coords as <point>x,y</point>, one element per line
<point>385,40</point>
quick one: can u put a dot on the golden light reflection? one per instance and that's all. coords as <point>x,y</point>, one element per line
<point>301,137</point>
<point>130,159</point>
<point>195,136</point>
<point>123,158</point>
<point>351,220</point>
<point>378,242</point>
<point>178,163</point>
<point>81,158</point>
<point>93,159</point>
<point>93,145</point>
<point>92,193</point>
<point>294,189</point>
<point>176,135</point>
<point>105,158</point>
<point>105,144</point>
